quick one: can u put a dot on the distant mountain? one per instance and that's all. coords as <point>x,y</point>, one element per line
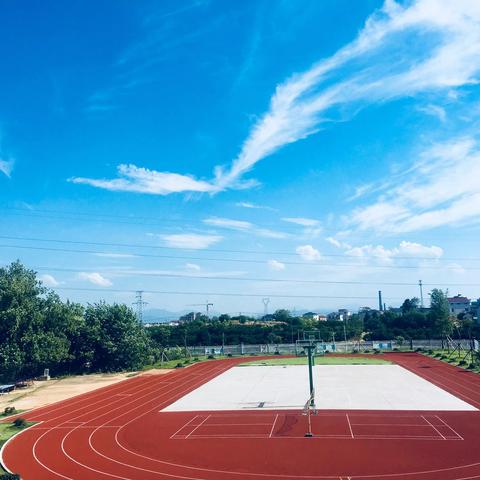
<point>159,315</point>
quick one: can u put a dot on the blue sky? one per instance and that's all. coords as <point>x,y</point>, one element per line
<point>281,147</point>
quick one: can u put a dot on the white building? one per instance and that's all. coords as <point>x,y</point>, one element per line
<point>459,304</point>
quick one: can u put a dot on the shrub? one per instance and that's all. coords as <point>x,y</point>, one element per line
<point>196,359</point>
<point>20,422</point>
<point>229,355</point>
<point>376,351</point>
<point>9,411</point>
<point>10,476</point>
<point>179,365</point>
<point>211,357</point>
<point>277,352</point>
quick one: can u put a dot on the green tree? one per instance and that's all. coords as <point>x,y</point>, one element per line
<point>115,338</point>
<point>440,313</point>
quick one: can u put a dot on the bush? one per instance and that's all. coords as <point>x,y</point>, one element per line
<point>277,352</point>
<point>196,359</point>
<point>179,365</point>
<point>211,357</point>
<point>10,476</point>
<point>20,422</point>
<point>229,355</point>
<point>10,411</point>
<point>376,351</point>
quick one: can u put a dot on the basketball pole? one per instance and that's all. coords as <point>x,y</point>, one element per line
<point>310,349</point>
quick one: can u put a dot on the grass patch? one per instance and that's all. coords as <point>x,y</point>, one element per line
<point>8,430</point>
<point>327,360</point>
<point>454,359</point>
<point>184,362</point>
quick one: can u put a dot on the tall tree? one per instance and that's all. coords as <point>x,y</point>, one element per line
<point>440,313</point>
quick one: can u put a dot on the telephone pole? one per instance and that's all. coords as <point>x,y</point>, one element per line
<point>420,284</point>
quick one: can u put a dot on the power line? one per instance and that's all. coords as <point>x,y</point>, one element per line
<point>242,260</point>
<point>221,294</point>
<point>248,279</point>
<point>216,250</point>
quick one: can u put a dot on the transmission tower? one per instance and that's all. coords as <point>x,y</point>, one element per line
<point>265,302</point>
<point>207,306</point>
<point>139,304</point>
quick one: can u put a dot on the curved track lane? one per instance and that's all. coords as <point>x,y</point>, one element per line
<point>118,432</point>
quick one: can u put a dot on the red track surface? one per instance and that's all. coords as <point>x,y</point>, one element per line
<point>118,433</point>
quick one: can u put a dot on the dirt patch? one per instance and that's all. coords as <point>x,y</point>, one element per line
<point>46,392</point>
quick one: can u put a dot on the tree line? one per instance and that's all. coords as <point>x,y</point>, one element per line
<point>38,330</point>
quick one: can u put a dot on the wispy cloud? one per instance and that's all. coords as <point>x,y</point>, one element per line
<point>309,253</point>
<point>114,255</point>
<point>243,226</point>
<point>95,278</point>
<point>253,206</point>
<point>142,180</point>
<point>382,64</point>
<point>404,249</point>
<point>49,280</point>
<point>190,240</point>
<point>304,222</point>
<point>440,188</point>
<point>435,111</point>
<point>6,164</point>
<point>6,167</point>
<point>193,267</point>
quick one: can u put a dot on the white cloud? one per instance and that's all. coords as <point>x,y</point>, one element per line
<point>305,222</point>
<point>49,280</point>
<point>253,206</point>
<point>6,167</point>
<point>193,267</point>
<point>243,226</point>
<point>425,46</point>
<point>307,252</point>
<point>276,265</point>
<point>385,255</point>
<point>440,188</point>
<point>337,243</point>
<point>142,180</point>
<point>228,223</point>
<point>190,240</point>
<point>434,111</point>
<point>114,255</point>
<point>95,278</point>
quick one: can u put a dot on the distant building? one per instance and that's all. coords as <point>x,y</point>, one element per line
<point>319,317</point>
<point>475,310</point>
<point>459,304</point>
<point>340,316</point>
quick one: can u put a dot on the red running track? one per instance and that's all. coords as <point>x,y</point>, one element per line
<point>118,433</point>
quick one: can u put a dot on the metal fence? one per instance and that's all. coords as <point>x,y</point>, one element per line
<point>340,347</point>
